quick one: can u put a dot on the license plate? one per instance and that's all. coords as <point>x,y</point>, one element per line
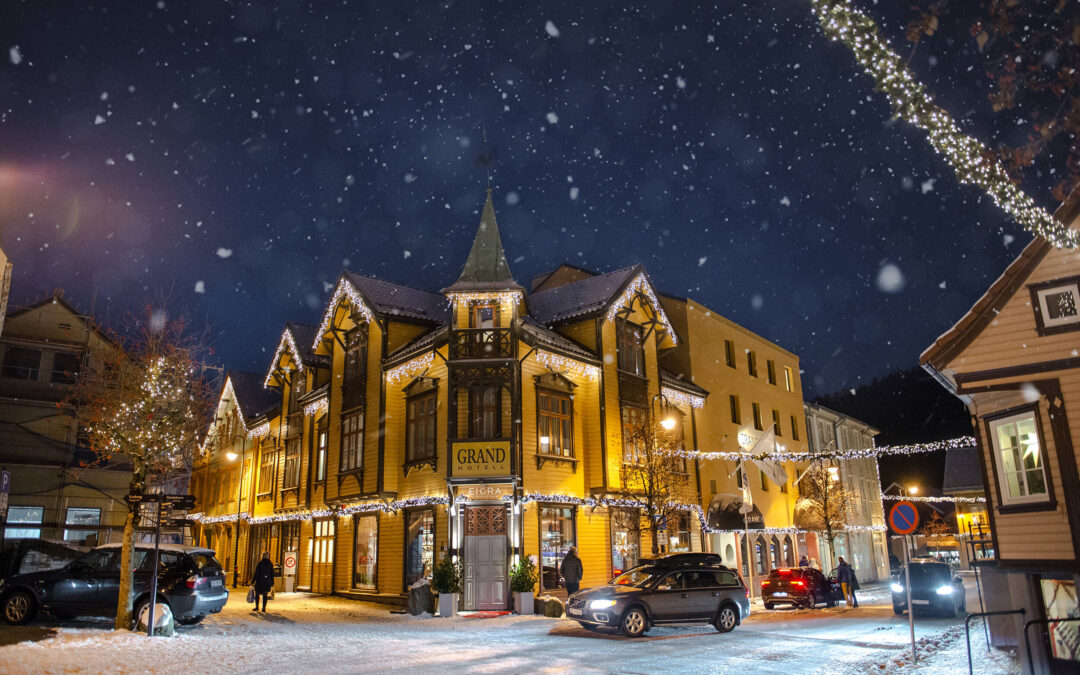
<point>920,602</point>
<point>575,612</point>
<point>215,583</point>
<point>781,594</point>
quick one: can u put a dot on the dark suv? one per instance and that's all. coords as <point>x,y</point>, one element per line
<point>679,588</point>
<point>933,588</point>
<point>799,587</point>
<point>190,581</point>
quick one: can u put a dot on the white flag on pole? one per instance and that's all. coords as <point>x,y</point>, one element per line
<point>774,470</point>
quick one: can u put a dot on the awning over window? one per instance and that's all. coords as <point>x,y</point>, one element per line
<point>724,514</point>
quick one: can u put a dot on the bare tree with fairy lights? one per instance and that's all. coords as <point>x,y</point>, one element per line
<point>653,476</point>
<point>823,503</point>
<point>147,405</point>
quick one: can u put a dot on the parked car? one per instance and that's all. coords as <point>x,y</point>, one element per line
<point>673,589</point>
<point>934,588</point>
<point>799,587</point>
<point>190,581</point>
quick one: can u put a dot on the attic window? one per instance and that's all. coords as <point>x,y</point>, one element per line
<point>1055,305</point>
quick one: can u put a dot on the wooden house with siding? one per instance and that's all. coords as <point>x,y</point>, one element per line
<point>1014,360</point>
<point>485,421</point>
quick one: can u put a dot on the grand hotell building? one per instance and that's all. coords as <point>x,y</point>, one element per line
<point>487,421</point>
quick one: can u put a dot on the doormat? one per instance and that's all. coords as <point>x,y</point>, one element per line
<point>483,614</point>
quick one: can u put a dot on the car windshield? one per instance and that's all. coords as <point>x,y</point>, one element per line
<point>928,574</point>
<point>639,576</point>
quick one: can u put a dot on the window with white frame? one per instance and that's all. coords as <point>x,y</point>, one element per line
<point>1019,458</point>
<point>24,522</point>
<point>1056,305</point>
<point>78,518</point>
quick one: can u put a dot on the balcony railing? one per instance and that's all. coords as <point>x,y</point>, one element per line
<point>481,343</point>
<point>633,388</point>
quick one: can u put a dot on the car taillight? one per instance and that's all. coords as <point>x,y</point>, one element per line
<point>195,581</point>
<point>765,583</point>
<point>798,583</point>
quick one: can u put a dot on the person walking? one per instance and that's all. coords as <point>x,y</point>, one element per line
<point>263,580</point>
<point>854,587</point>
<point>571,571</point>
<point>844,575</point>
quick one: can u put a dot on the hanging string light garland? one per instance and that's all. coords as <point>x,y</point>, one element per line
<point>680,398</point>
<point>641,285</point>
<point>935,500</point>
<point>972,162</point>
<point>410,368</point>
<point>344,293</point>
<point>286,342</point>
<point>558,362</point>
<point>317,407</point>
<point>861,453</point>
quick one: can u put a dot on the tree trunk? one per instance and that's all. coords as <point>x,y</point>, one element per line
<point>654,532</point>
<point>127,574</point>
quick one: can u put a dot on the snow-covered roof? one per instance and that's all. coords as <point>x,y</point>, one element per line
<point>175,548</point>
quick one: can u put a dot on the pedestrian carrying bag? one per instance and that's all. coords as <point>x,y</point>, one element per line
<point>251,594</point>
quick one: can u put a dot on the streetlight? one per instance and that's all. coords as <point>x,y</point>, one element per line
<point>231,456</point>
<point>668,423</point>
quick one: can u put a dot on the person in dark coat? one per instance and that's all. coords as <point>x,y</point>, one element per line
<point>844,575</point>
<point>854,587</point>
<point>263,580</point>
<point>571,571</point>
<point>804,562</point>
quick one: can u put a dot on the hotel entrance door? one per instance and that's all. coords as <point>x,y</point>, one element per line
<point>485,557</point>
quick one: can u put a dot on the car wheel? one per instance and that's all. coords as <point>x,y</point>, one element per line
<point>138,610</point>
<point>726,619</point>
<point>634,622</point>
<point>19,608</point>
<point>191,620</point>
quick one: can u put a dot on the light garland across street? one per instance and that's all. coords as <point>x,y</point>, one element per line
<point>862,453</point>
<point>935,500</point>
<point>970,159</point>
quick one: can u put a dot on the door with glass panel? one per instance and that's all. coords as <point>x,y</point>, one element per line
<point>322,556</point>
<point>485,557</point>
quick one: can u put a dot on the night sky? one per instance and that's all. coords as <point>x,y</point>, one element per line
<point>237,156</point>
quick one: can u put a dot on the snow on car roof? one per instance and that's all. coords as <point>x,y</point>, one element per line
<point>179,548</point>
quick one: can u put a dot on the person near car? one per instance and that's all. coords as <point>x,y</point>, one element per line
<point>571,571</point>
<point>804,562</point>
<point>844,575</point>
<point>263,580</point>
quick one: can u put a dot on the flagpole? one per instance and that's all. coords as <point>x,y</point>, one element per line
<point>745,480</point>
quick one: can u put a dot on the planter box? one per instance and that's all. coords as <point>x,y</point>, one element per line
<point>448,605</point>
<point>523,603</point>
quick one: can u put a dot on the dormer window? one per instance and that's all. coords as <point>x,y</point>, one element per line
<point>485,316</point>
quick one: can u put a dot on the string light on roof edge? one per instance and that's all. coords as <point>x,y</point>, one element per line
<point>409,368</point>
<point>640,283</point>
<point>934,500</point>
<point>317,407</point>
<point>972,162</point>
<point>502,297</point>
<point>260,430</point>
<point>862,453</point>
<point>344,291</point>
<point>558,362</point>
<point>680,398</point>
<point>286,341</point>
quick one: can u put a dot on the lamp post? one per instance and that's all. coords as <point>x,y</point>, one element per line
<point>239,496</point>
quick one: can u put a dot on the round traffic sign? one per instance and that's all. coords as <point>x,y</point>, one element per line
<point>903,517</point>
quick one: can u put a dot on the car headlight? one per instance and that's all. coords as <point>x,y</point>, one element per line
<point>945,590</point>
<point>897,588</point>
<point>601,604</point>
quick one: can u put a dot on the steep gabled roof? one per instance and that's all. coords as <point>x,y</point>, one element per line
<point>964,331</point>
<point>252,397</point>
<point>580,299</point>
<point>486,268</point>
<point>298,339</point>
<point>389,300</point>
<point>539,335</point>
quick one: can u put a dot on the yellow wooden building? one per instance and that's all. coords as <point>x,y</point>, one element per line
<point>487,422</point>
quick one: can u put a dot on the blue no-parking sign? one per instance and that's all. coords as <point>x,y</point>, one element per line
<point>903,518</point>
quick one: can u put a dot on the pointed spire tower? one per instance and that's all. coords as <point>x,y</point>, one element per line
<point>486,270</point>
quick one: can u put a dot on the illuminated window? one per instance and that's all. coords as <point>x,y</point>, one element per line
<point>789,379</point>
<point>554,420</point>
<point>1019,458</point>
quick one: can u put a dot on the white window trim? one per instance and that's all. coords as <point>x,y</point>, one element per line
<point>1063,321</point>
<point>1003,487</point>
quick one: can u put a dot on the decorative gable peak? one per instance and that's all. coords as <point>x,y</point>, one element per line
<point>486,269</point>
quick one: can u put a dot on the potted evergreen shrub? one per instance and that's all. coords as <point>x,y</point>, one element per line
<point>522,583</point>
<point>446,581</point>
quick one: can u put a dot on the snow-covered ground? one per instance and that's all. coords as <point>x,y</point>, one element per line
<point>303,633</point>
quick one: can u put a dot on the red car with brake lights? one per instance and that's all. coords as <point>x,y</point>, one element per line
<point>798,587</point>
